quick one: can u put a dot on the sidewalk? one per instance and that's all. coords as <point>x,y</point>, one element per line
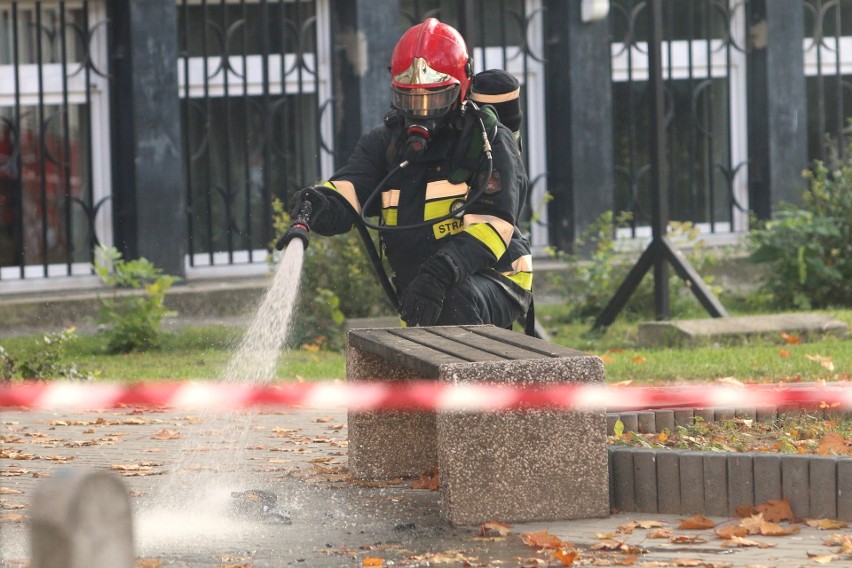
<point>301,457</point>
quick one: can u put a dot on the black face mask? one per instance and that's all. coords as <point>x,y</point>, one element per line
<point>420,132</point>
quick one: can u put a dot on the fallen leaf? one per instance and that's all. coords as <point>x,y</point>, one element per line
<point>541,539</point>
<point>58,458</point>
<point>148,563</point>
<point>323,420</point>
<point>826,524</point>
<point>429,480</point>
<point>823,558</point>
<point>567,556</point>
<point>371,561</point>
<point>10,491</point>
<point>618,428</point>
<point>832,444</point>
<point>12,517</point>
<point>790,339</point>
<point>730,531</point>
<point>776,510</point>
<point>638,359</point>
<point>660,533</point>
<point>696,522</point>
<point>784,353</point>
<point>166,435</point>
<point>494,528</point>
<point>730,381</point>
<point>739,542</point>
<point>824,361</point>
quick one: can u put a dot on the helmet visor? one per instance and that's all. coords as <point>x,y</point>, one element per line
<point>425,102</point>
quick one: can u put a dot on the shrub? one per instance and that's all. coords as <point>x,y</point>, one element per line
<point>337,283</point>
<point>44,362</point>
<point>809,247</point>
<point>131,321</point>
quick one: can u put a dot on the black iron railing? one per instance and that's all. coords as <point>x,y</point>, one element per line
<point>53,185</point>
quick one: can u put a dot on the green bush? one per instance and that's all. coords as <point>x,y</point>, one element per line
<point>44,361</point>
<point>591,279</point>
<point>337,283</point>
<point>809,248</point>
<point>131,321</point>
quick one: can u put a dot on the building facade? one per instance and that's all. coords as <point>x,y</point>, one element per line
<point>168,127</point>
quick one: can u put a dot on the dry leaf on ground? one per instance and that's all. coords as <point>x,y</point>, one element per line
<point>696,522</point>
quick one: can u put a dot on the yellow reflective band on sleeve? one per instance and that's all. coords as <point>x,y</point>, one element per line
<point>347,190</point>
<point>522,279</point>
<point>503,228</point>
<point>389,216</point>
<point>487,235</point>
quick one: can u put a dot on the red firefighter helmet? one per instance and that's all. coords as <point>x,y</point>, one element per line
<point>430,69</point>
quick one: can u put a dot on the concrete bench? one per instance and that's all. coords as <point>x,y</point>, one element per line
<point>515,466</point>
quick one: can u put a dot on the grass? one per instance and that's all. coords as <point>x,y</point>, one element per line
<point>203,352</point>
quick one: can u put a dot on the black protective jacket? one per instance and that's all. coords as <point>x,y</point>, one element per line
<point>485,238</point>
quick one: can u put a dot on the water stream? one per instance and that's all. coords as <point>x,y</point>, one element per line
<point>192,503</point>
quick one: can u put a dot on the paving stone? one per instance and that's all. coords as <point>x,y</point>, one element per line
<point>716,485</point>
<point>630,421</point>
<point>795,477</point>
<point>706,414</point>
<point>766,413</point>
<point>668,482</point>
<point>724,414</point>
<point>664,420</point>
<point>684,417</point>
<point>622,473</point>
<point>767,473</point>
<point>645,480</point>
<point>647,422</point>
<point>823,484</point>
<point>691,483</point>
<point>844,489</point>
<point>82,519</point>
<point>746,413</point>
<point>740,482</point>
<point>611,419</point>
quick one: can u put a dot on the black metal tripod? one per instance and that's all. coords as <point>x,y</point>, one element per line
<point>660,251</point>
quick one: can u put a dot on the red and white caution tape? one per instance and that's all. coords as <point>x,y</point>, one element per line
<point>418,395</point>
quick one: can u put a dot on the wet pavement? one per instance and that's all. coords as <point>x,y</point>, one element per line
<point>181,469</point>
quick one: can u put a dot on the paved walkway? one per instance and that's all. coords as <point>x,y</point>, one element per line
<point>181,467</point>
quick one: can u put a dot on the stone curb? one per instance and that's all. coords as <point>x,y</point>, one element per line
<point>680,482</point>
<point>645,480</point>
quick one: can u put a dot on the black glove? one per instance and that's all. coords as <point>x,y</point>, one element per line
<point>423,298</point>
<point>329,215</point>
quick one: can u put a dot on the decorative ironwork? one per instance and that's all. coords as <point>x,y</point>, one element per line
<point>250,86</point>
<point>49,76</point>
<point>704,72</point>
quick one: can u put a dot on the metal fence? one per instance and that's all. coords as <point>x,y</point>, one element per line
<point>53,113</point>
<point>255,106</point>
<point>706,44</point>
<point>258,114</point>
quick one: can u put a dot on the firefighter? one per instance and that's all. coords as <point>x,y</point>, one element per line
<point>448,201</point>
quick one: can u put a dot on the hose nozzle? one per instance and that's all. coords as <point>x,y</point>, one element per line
<point>299,228</point>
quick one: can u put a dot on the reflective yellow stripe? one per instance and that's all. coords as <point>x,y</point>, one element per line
<point>498,98</point>
<point>435,209</point>
<point>347,190</point>
<point>389,216</point>
<point>503,228</point>
<point>522,279</point>
<point>442,189</point>
<point>487,235</point>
